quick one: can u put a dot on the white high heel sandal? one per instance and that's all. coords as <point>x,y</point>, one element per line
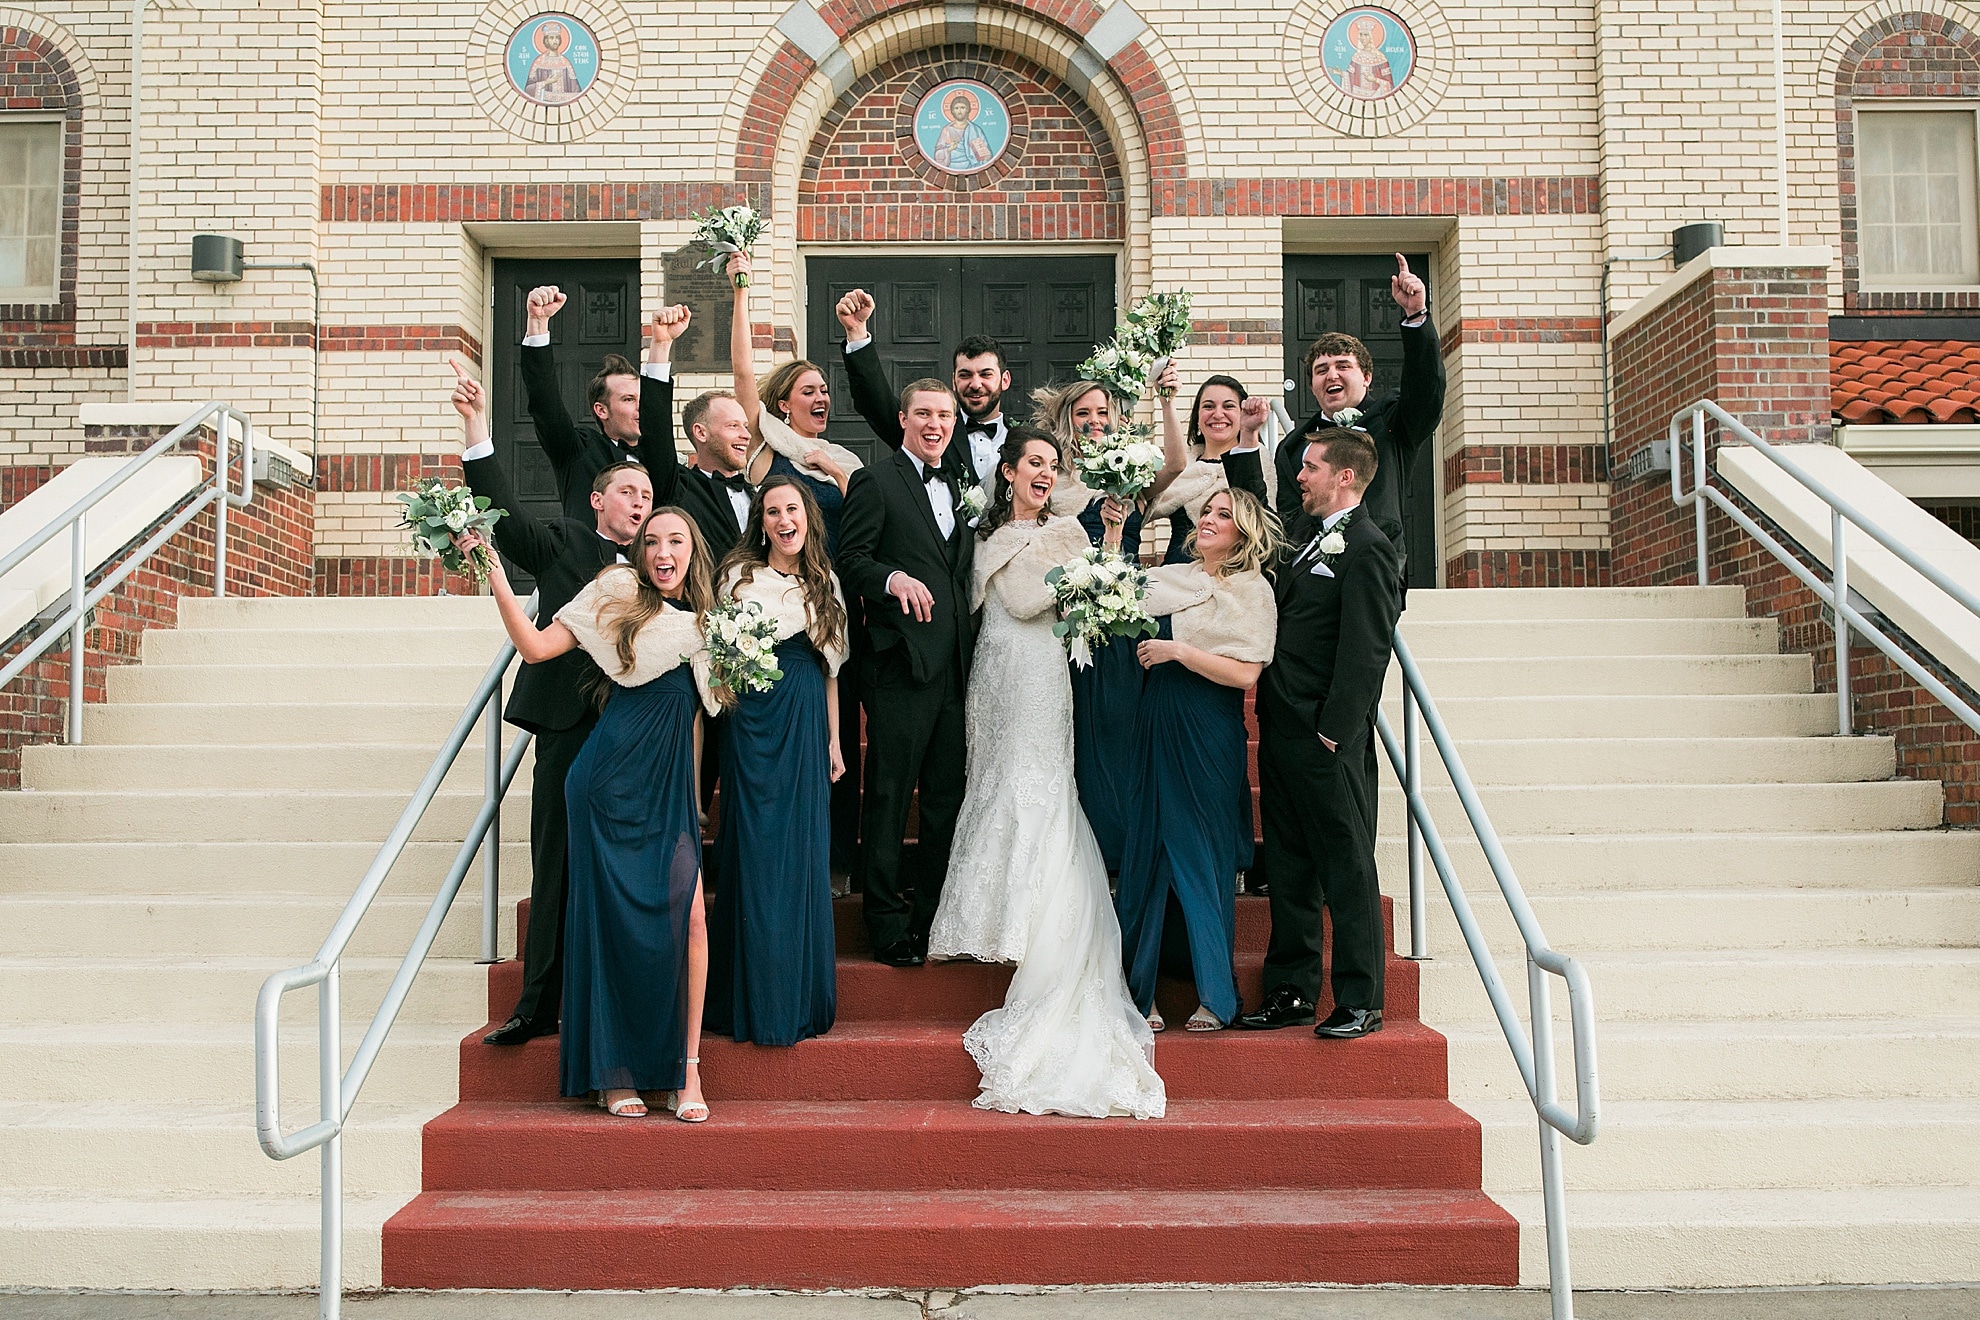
<point>695,1111</point>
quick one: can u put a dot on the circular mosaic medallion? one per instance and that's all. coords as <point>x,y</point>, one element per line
<point>553,59</point>
<point>962,127</point>
<point>1367,70</point>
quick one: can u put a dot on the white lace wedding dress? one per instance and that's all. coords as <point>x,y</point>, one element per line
<point>1026,882</point>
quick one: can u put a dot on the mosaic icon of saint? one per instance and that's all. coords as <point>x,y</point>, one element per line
<point>1368,76</point>
<point>962,147</point>
<point>552,80</point>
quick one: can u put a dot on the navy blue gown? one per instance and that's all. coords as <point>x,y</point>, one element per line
<point>1105,698</point>
<point>771,944</point>
<point>635,857</point>
<point>1189,764</point>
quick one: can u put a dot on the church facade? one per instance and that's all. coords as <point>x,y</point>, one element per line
<point>398,174</point>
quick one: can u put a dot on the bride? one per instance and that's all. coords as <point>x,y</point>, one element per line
<point>1026,883</point>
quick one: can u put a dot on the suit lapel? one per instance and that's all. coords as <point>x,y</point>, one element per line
<point>917,492</point>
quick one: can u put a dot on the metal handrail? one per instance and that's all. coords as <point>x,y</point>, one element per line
<point>339,1086</point>
<point>1535,1055</point>
<point>212,492</point>
<point>1834,593</point>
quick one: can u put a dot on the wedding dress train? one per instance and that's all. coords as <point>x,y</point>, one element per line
<point>1026,882</point>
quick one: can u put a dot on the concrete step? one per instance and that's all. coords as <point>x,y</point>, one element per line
<point>1759,1237</point>
<point>321,646</point>
<point>1590,637</point>
<point>384,613</point>
<point>238,815</point>
<point>1578,603</point>
<point>246,926</point>
<point>105,991</point>
<point>1633,985</point>
<point>1573,808</point>
<point>1666,760</point>
<point>213,1062</point>
<point>263,723</point>
<point>444,683</point>
<point>116,1147</point>
<point>188,1243</point>
<point>1581,675</point>
<point>1674,1145</point>
<point>1779,1059</point>
<point>325,870</point>
<point>1624,715</point>
<point>334,765</point>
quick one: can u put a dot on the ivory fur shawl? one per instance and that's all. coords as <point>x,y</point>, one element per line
<point>1019,557</point>
<point>1236,617</point>
<point>668,639</point>
<point>1195,484</point>
<point>782,439</point>
<point>782,598</point>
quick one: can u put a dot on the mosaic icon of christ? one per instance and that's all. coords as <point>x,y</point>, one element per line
<point>962,147</point>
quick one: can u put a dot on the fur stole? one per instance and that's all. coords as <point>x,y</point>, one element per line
<point>782,439</point>
<point>1195,484</point>
<point>1236,617</point>
<point>668,639</point>
<point>1019,558</point>
<point>782,598</point>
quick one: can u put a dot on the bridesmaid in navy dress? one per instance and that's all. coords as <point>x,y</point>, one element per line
<point>1219,622</point>
<point>635,939</point>
<point>1107,693</point>
<point>773,945</point>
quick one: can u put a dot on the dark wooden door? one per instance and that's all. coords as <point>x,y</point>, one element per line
<point>601,317</point>
<point>1351,295</point>
<point>1048,312</point>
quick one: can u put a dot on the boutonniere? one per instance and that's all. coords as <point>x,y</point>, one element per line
<point>971,503</point>
<point>1349,418</point>
<point>1334,544</point>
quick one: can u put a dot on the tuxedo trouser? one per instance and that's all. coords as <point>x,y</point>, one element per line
<point>845,793</point>
<point>914,737</point>
<point>549,859</point>
<point>1319,817</point>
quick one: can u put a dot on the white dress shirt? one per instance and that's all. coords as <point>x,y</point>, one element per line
<point>1327,524</point>
<point>941,502</point>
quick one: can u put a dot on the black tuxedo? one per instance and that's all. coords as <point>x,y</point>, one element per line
<point>879,406</point>
<point>579,452</point>
<point>912,685</point>
<point>674,482</point>
<point>1318,807</point>
<point>549,699</point>
<point>1399,422</point>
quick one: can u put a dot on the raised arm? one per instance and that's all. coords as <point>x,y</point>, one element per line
<point>1420,393</point>
<point>518,535</point>
<point>742,345</point>
<point>656,403</point>
<point>534,645</point>
<point>554,431</point>
<point>875,403</point>
<point>1174,456</point>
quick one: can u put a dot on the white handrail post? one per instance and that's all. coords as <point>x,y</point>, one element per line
<point>1698,477</point>
<point>78,631</point>
<point>1839,583</point>
<point>1419,935</point>
<point>330,1070</point>
<point>221,421</point>
<point>491,842</point>
<point>1553,1186</point>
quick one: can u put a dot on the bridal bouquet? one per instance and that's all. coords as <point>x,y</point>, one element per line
<point>1099,597</point>
<point>742,649</point>
<point>1120,462</point>
<point>730,229</point>
<point>436,513</point>
<point>1123,369</point>
<point>1158,326</point>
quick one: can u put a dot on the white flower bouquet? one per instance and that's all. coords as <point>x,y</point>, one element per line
<point>1099,597</point>
<point>435,513</point>
<point>1122,369</point>
<point>742,649</point>
<point>972,502</point>
<point>1158,325</point>
<point>727,230</point>
<point>1120,462</point>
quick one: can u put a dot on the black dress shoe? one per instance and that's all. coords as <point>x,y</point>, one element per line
<point>1284,1007</point>
<point>1350,1023</point>
<point>901,953</point>
<point>517,1030</point>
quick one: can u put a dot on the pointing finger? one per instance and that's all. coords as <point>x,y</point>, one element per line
<point>1402,264</point>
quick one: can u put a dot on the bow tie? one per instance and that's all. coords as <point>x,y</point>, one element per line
<point>974,429</point>
<point>934,477</point>
<point>737,483</point>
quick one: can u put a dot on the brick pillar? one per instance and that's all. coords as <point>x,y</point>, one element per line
<point>1753,338</point>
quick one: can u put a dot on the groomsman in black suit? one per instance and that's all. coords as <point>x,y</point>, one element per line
<point>906,550</point>
<point>627,406</point>
<point>1338,370</point>
<point>979,378</point>
<point>550,699</point>
<point>1339,593</point>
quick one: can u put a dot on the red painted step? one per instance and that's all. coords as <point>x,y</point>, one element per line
<point>946,1239</point>
<point>917,1145</point>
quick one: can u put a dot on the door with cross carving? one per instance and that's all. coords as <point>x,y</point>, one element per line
<point>1048,312</point>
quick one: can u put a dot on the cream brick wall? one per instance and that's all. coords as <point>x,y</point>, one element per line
<point>38,409</point>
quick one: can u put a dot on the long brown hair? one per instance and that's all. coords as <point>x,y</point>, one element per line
<point>1002,500</point>
<point>623,621</point>
<point>827,626</point>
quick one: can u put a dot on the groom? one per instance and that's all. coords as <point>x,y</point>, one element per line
<point>907,551</point>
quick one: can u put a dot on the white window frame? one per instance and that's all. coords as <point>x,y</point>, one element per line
<point>1969,106</point>
<point>50,294</point>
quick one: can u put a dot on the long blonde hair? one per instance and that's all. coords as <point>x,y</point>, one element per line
<point>1052,409</point>
<point>622,621</point>
<point>1259,539</point>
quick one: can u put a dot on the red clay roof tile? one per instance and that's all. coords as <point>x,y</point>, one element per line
<point>1912,382</point>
